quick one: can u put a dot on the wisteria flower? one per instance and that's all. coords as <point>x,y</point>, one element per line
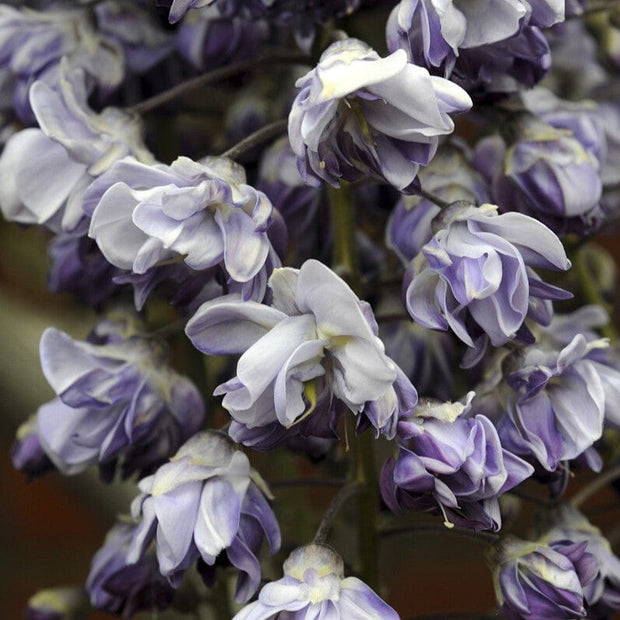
<point>120,587</point>
<point>35,42</point>
<point>316,338</point>
<point>450,177</point>
<point>492,45</point>
<point>433,32</point>
<point>202,213</point>
<point>602,594</point>
<point>474,276</point>
<point>358,114</point>
<point>550,175</point>
<point>27,454</point>
<point>453,463</point>
<point>559,402</point>
<point>208,39</point>
<point>116,400</point>
<point>536,580</point>
<point>77,266</point>
<point>45,172</point>
<point>136,31</point>
<point>314,586</point>
<point>204,502</point>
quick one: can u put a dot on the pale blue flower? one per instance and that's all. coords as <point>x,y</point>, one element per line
<point>314,588</point>
<point>206,501</point>
<point>116,401</point>
<point>538,580</point>
<point>452,462</point>
<point>315,340</point>
<point>45,172</point>
<point>474,276</point>
<point>202,213</point>
<point>358,114</point>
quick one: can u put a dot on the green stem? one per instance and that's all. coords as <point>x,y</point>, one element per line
<point>275,56</point>
<point>221,597</point>
<point>588,283</point>
<point>344,259</point>
<point>345,263</point>
<point>198,373</point>
<point>368,533</point>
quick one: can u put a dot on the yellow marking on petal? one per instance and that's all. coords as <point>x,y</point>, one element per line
<point>171,261</point>
<point>361,119</point>
<point>310,395</point>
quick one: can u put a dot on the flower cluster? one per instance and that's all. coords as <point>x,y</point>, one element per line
<point>347,244</point>
<point>314,586</point>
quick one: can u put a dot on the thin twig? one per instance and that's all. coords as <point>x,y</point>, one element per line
<point>458,615</point>
<point>434,199</point>
<point>216,75</point>
<point>310,482</point>
<point>339,499</point>
<point>543,501</point>
<point>261,135</point>
<point>598,483</point>
<point>486,537</point>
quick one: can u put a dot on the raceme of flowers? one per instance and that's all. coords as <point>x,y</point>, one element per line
<point>357,237</point>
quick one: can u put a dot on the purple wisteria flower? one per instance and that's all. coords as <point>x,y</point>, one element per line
<point>178,8</point>
<point>559,403</point>
<point>453,462</point>
<point>552,175</point>
<point>44,172</point>
<point>204,502</point>
<point>433,32</point>
<point>474,276</point>
<point>203,213</point>
<point>208,39</point>
<point>315,343</point>
<point>77,266</point>
<point>583,119</point>
<point>34,42</point>
<point>27,454</point>
<point>536,580</point>
<point>451,178</point>
<point>314,586</point>
<point>491,71</point>
<point>493,45</point>
<point>116,401</point>
<point>602,594</point>
<point>120,587</point>
<point>360,115</point>
<point>143,41</point>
